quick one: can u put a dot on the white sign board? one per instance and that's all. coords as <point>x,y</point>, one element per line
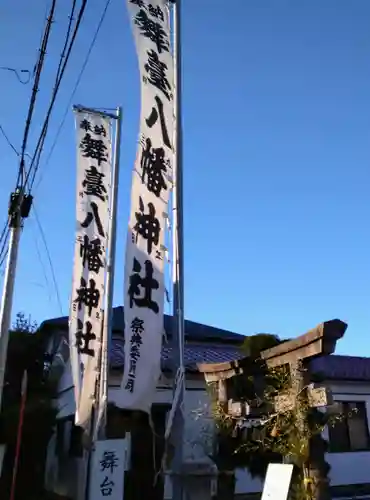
<point>108,470</point>
<point>277,482</point>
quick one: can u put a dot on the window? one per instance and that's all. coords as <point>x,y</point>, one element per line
<point>351,432</point>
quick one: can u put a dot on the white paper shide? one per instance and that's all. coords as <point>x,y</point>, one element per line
<point>94,167</point>
<point>108,466</point>
<point>151,184</point>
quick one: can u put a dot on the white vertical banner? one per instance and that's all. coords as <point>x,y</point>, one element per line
<point>94,167</point>
<point>151,184</point>
<point>108,469</point>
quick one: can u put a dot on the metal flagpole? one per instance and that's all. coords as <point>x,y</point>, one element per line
<point>109,284</point>
<point>178,262</point>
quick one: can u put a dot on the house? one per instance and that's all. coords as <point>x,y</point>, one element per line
<point>348,378</point>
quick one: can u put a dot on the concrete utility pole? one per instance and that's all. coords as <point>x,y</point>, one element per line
<point>19,209</point>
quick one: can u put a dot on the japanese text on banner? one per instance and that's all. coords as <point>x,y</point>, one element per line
<point>151,184</point>
<point>108,470</point>
<point>94,166</point>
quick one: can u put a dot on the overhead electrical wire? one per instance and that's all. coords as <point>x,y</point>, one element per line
<point>32,171</point>
<point>78,81</point>
<point>35,89</point>
<point>17,73</point>
<point>8,140</point>
<point>59,69</point>
<point>37,75</point>
<point>21,177</point>
<point>53,276</point>
<point>4,248</point>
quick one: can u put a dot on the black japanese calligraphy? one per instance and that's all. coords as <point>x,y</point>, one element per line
<point>158,255</point>
<point>132,367</point>
<point>156,71</point>
<point>147,225</point>
<point>137,328</point>
<point>130,385</point>
<point>100,130</point>
<point>83,338</point>
<point>152,30</point>
<point>137,325</point>
<point>106,487</point>
<point>153,168</point>
<point>136,339</point>
<point>109,461</point>
<point>93,215</point>
<point>85,125</point>
<point>139,3</point>
<point>157,112</point>
<point>93,183</point>
<point>147,283</point>
<point>97,130</point>
<point>135,352</point>
<point>87,295</point>
<point>91,253</point>
<point>156,11</point>
<point>94,148</point>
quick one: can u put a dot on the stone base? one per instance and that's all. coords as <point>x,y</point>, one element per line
<point>199,480</point>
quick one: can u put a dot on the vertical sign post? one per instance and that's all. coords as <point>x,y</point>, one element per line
<point>108,470</point>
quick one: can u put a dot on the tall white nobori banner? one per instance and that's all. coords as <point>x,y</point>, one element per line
<point>151,184</point>
<point>94,167</point>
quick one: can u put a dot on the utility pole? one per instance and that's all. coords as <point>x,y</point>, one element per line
<point>19,209</point>
<point>19,433</point>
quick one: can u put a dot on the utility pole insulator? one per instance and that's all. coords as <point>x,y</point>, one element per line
<point>14,203</point>
<point>19,207</point>
<point>26,205</point>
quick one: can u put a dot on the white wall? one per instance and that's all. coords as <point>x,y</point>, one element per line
<point>353,467</point>
<point>346,468</point>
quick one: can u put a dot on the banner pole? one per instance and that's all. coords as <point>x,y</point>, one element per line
<point>178,261</point>
<point>109,284</point>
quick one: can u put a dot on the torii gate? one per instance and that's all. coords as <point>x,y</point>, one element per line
<point>296,353</point>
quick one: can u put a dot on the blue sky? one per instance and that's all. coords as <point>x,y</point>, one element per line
<point>276,109</point>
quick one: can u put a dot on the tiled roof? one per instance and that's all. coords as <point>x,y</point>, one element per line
<point>334,367</point>
<point>194,331</point>
<point>338,367</point>
<point>193,354</point>
<point>207,344</point>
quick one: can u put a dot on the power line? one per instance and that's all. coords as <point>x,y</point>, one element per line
<point>38,71</point>
<point>8,140</point>
<point>64,50</point>
<point>57,77</point>
<point>40,143</point>
<point>4,248</point>
<point>78,81</point>
<point>19,72</point>
<point>43,237</point>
